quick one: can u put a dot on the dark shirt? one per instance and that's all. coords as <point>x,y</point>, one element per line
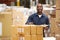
<point>38,21</point>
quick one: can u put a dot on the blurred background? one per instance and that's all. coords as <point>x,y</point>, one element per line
<point>14,13</point>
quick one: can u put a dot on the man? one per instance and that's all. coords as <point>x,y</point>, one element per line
<point>38,18</point>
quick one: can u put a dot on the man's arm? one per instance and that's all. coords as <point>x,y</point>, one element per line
<point>47,23</point>
<point>30,20</point>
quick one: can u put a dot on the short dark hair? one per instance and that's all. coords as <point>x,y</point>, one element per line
<point>40,3</point>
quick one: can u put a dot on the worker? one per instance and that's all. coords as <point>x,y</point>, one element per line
<point>38,18</point>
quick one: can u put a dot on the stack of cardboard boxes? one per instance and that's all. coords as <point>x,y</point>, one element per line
<point>18,18</point>
<point>10,17</point>
<point>36,32</point>
<point>53,26</point>
<point>6,20</point>
<point>53,23</point>
<point>57,20</point>
<point>27,32</point>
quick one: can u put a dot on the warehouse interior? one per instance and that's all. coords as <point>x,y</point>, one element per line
<point>15,13</point>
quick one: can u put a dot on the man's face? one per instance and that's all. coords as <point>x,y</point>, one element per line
<point>39,8</point>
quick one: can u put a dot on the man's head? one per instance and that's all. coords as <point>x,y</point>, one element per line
<point>39,8</point>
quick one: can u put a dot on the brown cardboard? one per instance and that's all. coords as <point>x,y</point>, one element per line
<point>6,20</point>
<point>57,4</point>
<point>18,18</point>
<point>14,33</point>
<point>33,30</point>
<point>33,37</point>
<point>53,14</point>
<point>25,30</point>
<point>46,12</point>
<point>57,37</point>
<point>58,14</point>
<point>53,26</point>
<point>27,37</point>
<point>52,23</point>
<point>39,37</point>
<point>14,38</point>
<point>39,30</point>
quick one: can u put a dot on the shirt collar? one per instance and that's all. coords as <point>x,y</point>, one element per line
<point>41,14</point>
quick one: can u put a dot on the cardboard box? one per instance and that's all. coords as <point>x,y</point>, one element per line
<point>14,33</point>
<point>14,38</point>
<point>6,20</point>
<point>5,38</point>
<point>53,27</point>
<point>21,38</point>
<point>27,31</point>
<point>58,14</point>
<point>27,37</point>
<point>39,37</point>
<point>52,34</point>
<point>20,31</point>
<point>53,24</point>
<point>24,30</point>
<point>57,30</point>
<point>46,12</point>
<point>33,37</point>
<point>8,10</point>
<point>57,36</point>
<point>57,4</point>
<point>33,30</point>
<point>18,18</point>
<point>39,30</point>
<point>53,14</point>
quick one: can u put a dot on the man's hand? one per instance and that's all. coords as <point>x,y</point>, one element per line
<point>46,28</point>
<point>30,23</point>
